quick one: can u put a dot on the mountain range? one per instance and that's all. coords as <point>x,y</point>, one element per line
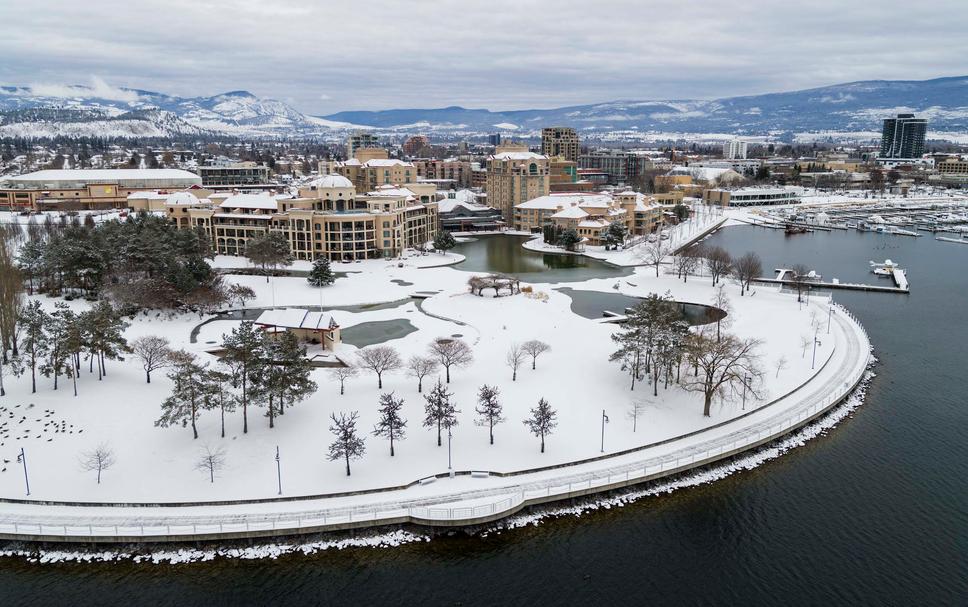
<point>854,108</point>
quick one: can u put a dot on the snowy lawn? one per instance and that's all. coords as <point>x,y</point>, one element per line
<point>157,464</point>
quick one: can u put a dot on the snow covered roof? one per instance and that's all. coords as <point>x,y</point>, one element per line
<point>386,162</point>
<point>390,191</point>
<point>331,181</point>
<point>249,201</point>
<point>519,156</point>
<point>449,204</point>
<point>181,198</point>
<point>573,212</point>
<point>592,223</point>
<point>106,175</point>
<point>296,318</point>
<point>553,201</point>
<point>705,173</point>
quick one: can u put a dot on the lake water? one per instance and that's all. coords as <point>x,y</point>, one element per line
<point>875,512</point>
<point>502,253</point>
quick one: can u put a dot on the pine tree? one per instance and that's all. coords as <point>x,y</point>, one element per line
<point>188,392</point>
<point>321,274</point>
<point>34,342</point>
<point>444,241</point>
<point>244,352</point>
<point>490,409</point>
<point>348,444</point>
<point>542,421</point>
<point>439,410</point>
<point>391,425</point>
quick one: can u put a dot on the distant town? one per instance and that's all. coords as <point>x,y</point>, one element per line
<point>389,195</point>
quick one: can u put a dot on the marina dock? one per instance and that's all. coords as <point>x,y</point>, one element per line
<point>946,239</point>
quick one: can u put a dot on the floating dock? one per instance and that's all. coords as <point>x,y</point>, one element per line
<point>946,239</point>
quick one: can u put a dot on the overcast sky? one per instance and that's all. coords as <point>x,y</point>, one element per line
<point>331,55</point>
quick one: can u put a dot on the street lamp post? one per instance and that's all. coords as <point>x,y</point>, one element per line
<point>22,459</point>
<point>830,312</point>
<point>746,383</point>
<point>816,342</point>
<point>450,468</point>
<point>278,470</point>
<point>604,421</point>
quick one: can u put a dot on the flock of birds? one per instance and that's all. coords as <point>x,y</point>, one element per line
<point>20,423</point>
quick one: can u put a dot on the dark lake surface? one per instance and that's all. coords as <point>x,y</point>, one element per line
<point>873,513</point>
<point>502,253</point>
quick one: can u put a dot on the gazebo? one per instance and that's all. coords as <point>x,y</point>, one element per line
<point>308,326</point>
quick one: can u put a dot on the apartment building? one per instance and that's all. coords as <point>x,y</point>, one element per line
<point>514,177</point>
<point>372,169</point>
<point>590,214</point>
<point>458,171</point>
<point>328,219</point>
<point>560,141</point>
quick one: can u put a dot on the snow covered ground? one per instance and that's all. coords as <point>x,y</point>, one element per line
<point>156,464</point>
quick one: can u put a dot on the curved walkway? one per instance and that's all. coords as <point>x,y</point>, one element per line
<point>470,497</point>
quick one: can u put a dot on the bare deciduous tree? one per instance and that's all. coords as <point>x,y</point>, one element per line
<point>98,459</point>
<point>341,374</point>
<point>154,353</point>
<point>800,279</point>
<point>380,360</point>
<point>211,461</point>
<point>653,253</point>
<point>420,367</point>
<point>535,348</point>
<point>781,363</point>
<point>719,262</point>
<point>745,269</point>
<point>720,364</point>
<point>684,264</point>
<point>636,409</point>
<point>451,352</point>
<point>514,358</point>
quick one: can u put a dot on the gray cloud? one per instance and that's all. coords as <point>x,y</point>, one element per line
<point>334,55</point>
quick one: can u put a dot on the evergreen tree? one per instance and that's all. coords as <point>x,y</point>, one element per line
<point>321,274</point>
<point>268,251</point>
<point>569,239</point>
<point>244,352</point>
<point>489,409</point>
<point>439,410</point>
<point>444,241</point>
<point>34,321</point>
<point>348,444</point>
<point>542,421</point>
<point>391,425</point>
<point>188,392</point>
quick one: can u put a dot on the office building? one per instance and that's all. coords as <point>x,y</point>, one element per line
<point>239,174</point>
<point>87,189</point>
<point>359,140</point>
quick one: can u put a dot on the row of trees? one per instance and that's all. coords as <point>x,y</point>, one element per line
<point>255,369</point>
<point>655,341</point>
<point>142,262</point>
<point>440,412</point>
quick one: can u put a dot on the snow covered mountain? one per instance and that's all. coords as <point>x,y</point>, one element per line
<point>137,113</point>
<point>852,107</point>
<point>856,107</point>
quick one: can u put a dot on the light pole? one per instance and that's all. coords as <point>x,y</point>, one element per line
<point>450,468</point>
<point>746,383</point>
<point>830,312</point>
<point>22,459</point>
<point>278,470</point>
<point>815,343</point>
<point>604,421</point>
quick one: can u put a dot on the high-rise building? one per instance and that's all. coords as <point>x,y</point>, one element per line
<point>413,145</point>
<point>359,140</point>
<point>514,177</point>
<point>494,139</point>
<point>560,141</point>
<point>734,149</point>
<point>903,137</point>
